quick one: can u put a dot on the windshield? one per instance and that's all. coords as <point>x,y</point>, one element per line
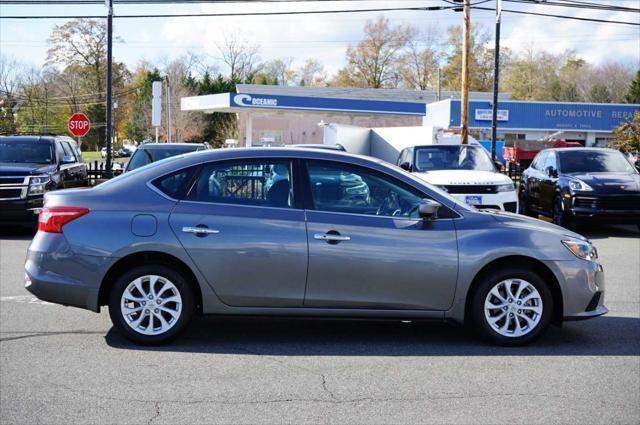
<point>581,161</point>
<point>26,151</point>
<point>147,156</point>
<point>457,157</point>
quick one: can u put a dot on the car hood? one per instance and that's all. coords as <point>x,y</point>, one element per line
<point>24,169</point>
<point>463,177</point>
<point>610,183</point>
<point>522,221</point>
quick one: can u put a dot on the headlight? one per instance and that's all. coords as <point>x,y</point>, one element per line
<point>576,184</point>
<point>581,249</point>
<point>38,185</point>
<point>509,187</point>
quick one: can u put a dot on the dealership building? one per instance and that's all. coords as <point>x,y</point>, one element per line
<point>279,115</point>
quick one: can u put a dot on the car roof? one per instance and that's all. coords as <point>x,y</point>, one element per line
<point>35,138</point>
<point>169,145</point>
<point>576,149</point>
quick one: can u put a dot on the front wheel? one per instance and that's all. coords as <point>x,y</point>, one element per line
<point>560,218</point>
<point>523,205</point>
<point>511,307</point>
<point>151,304</point>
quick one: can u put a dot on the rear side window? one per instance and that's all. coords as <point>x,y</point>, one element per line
<point>175,185</point>
<point>264,183</point>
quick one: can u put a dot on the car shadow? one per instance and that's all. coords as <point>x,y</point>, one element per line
<point>603,231</point>
<point>17,232</point>
<point>604,336</point>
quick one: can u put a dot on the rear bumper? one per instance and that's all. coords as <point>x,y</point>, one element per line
<point>54,273</point>
<point>19,211</point>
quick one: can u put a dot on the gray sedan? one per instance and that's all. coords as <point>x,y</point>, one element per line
<point>303,232</point>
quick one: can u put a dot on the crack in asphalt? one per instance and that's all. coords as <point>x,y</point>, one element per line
<point>156,414</point>
<point>41,334</point>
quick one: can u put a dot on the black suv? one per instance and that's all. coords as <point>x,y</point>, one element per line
<point>31,166</point>
<point>579,184</point>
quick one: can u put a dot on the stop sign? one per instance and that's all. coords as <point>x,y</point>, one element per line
<point>79,124</point>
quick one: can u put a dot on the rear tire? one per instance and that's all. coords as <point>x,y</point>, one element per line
<point>151,304</point>
<point>511,307</point>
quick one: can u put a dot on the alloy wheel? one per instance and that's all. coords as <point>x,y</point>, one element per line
<point>513,308</point>
<point>151,305</point>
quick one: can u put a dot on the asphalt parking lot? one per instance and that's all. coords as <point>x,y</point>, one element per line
<point>65,365</point>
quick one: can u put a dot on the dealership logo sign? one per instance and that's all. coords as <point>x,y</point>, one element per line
<point>248,100</point>
<point>487,115</point>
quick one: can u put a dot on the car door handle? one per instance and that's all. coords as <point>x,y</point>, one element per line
<point>200,230</point>
<point>329,237</point>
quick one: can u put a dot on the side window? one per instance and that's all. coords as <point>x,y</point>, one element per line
<point>174,185</point>
<point>550,161</point>
<point>344,188</point>
<point>60,153</point>
<point>68,151</point>
<point>264,183</point>
<point>538,161</point>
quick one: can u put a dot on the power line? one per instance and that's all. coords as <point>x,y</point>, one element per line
<point>578,5</point>
<point>549,15</point>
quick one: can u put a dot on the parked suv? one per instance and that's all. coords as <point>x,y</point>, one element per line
<point>32,165</point>
<point>579,184</point>
<point>152,152</point>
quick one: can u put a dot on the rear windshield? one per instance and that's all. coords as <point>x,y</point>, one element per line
<point>25,151</point>
<point>455,157</point>
<point>143,156</point>
<point>580,161</point>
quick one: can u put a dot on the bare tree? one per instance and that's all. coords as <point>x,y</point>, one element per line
<point>184,125</point>
<point>280,70</point>
<point>420,62</point>
<point>312,73</point>
<point>373,62</point>
<point>240,56</point>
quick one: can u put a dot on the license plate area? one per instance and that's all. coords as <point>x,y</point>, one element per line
<point>473,200</point>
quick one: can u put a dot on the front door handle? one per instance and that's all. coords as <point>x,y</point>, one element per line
<point>331,237</point>
<point>200,230</point>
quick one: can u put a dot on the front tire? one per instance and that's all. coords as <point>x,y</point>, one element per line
<point>559,217</point>
<point>523,205</point>
<point>511,307</point>
<point>151,304</point>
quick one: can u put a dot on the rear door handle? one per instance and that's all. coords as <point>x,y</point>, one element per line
<point>200,230</point>
<point>329,237</point>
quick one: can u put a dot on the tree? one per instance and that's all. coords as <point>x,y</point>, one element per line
<point>280,71</point>
<point>634,91</point>
<point>419,64</point>
<point>599,93</point>
<point>10,83</point>
<point>480,60</point>
<point>240,56</point>
<point>373,62</point>
<point>312,73</point>
<point>627,135</point>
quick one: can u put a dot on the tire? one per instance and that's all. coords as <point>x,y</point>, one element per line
<point>558,215</point>
<point>523,208</point>
<point>172,311</point>
<point>519,330</point>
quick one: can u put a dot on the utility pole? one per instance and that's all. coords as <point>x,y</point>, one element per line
<point>438,89</point>
<point>109,4</point>
<point>464,95</point>
<point>496,76</point>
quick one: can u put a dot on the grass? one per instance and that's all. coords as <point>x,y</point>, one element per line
<point>91,156</point>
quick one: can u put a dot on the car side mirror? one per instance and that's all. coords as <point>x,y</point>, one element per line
<point>551,172</point>
<point>428,209</point>
<point>406,166</point>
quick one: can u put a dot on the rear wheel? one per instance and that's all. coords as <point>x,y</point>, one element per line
<point>511,307</point>
<point>151,304</point>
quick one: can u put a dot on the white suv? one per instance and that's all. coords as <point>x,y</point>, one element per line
<point>465,171</point>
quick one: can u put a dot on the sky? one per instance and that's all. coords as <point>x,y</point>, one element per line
<point>323,37</point>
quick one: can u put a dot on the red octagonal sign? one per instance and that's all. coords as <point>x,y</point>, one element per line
<point>79,124</point>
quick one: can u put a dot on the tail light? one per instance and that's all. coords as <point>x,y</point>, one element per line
<point>51,219</point>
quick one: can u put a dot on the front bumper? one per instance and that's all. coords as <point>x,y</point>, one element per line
<point>54,273</point>
<point>19,211</point>
<point>623,209</point>
<point>504,201</point>
<point>583,288</point>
